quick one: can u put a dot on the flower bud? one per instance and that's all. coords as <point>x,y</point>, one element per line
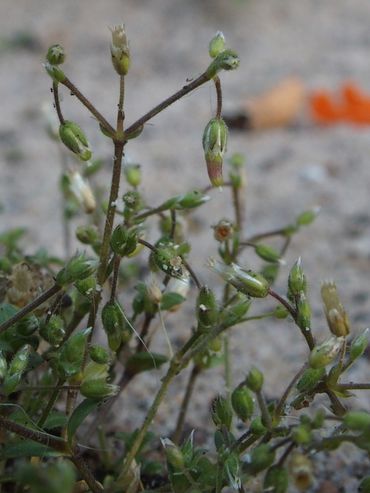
<point>221,412</point>
<point>133,174</point>
<point>88,234</point>
<point>226,60</point>
<point>257,427</point>
<point>20,360</point>
<point>358,346</point>
<point>190,200</point>
<point>310,378</point>
<point>207,309</point>
<point>326,352</point>
<point>217,44</point>
<point>98,389</point>
<point>254,380</point>
<point>223,230</point>
<point>27,326</point>
<point>303,312</point>
<point>245,281</point>
<point>55,72</point>
<point>144,361</point>
<point>276,480</point>
<point>300,468</point>
<point>173,454</point>
<point>99,354</point>
<point>72,353</point>
<point>307,217</point>
<point>119,49</point>
<point>124,240</point>
<point>261,458</point>
<point>114,324</point>
<point>56,55</point>
<point>53,332</point>
<point>133,201</point>
<point>214,146</point>
<point>87,287</point>
<point>73,137</point>
<point>81,191</point>
<point>77,268</point>
<point>334,311</point>
<point>297,282</point>
<point>357,421</point>
<point>267,253</point>
<point>242,402</point>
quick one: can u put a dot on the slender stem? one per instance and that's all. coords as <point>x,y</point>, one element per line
<point>265,414</point>
<point>167,102</point>
<point>192,273</point>
<point>37,436</point>
<point>286,453</point>
<point>227,365</point>
<point>116,265</point>
<point>217,82</point>
<point>280,406</point>
<point>88,105</point>
<point>173,223</point>
<point>57,102</point>
<point>353,386</point>
<point>185,404</point>
<point>120,113</point>
<point>268,234</point>
<point>50,404</point>
<point>30,307</point>
<point>237,207</point>
<point>86,474</point>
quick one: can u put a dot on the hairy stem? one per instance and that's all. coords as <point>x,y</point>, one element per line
<point>185,404</point>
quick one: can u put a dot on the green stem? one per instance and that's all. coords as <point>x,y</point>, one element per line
<point>30,307</point>
<point>57,102</point>
<point>50,404</point>
<point>280,406</point>
<point>218,88</point>
<point>353,386</point>
<point>265,414</point>
<point>185,404</point>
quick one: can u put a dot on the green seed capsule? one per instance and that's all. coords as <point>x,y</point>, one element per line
<point>77,268</point>
<point>124,240</point>
<point>174,455</point>
<point>207,309</point>
<point>87,286</point>
<point>221,412</point>
<point>98,389</point>
<point>325,353</point>
<point>254,380</point>
<point>303,312</point>
<point>11,383</point>
<point>310,378</point>
<point>56,55</point>
<point>27,326</point>
<point>307,217</point>
<point>214,146</point>
<point>120,51</point>
<point>166,257</point>
<point>114,324</point>
<point>55,72</point>
<point>357,421</point>
<point>235,312</point>
<point>242,402</point>
<point>20,360</point>
<point>257,427</point>
<point>144,361</point>
<point>267,253</point>
<point>99,354</point>
<point>297,282</point>
<point>261,458</point>
<point>216,45</point>
<point>133,174</point>
<point>53,332</point>
<point>191,200</point>
<point>88,235</point>
<point>72,353</point>
<point>276,480</point>
<point>359,345</point>
<point>245,281</point>
<point>74,138</point>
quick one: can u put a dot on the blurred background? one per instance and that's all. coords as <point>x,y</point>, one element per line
<point>291,168</point>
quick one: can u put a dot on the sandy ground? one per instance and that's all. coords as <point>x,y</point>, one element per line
<point>289,170</point>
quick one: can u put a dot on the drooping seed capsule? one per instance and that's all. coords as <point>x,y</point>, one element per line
<point>120,50</point>
<point>190,200</point>
<point>77,268</point>
<point>221,412</point>
<point>74,138</point>
<point>207,309</point>
<point>98,389</point>
<point>246,281</point>
<point>325,353</point>
<point>214,146</point>
<point>144,361</point>
<point>216,45</point>
<point>242,402</point>
<point>114,324</point>
<point>226,60</point>
<point>335,313</point>
<point>56,55</point>
<point>99,354</point>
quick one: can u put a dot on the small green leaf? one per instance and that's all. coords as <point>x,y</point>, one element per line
<point>79,414</point>
<point>26,448</point>
<point>169,300</point>
<point>55,419</point>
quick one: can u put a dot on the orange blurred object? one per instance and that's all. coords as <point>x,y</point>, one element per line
<point>351,104</point>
